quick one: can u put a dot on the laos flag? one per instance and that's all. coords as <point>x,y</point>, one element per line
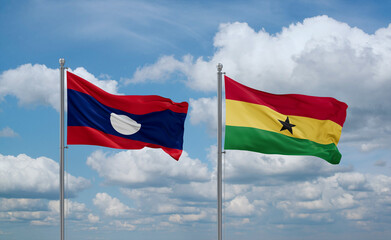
<point>96,117</point>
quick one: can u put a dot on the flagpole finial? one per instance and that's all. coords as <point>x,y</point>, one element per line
<point>61,61</point>
<point>219,67</point>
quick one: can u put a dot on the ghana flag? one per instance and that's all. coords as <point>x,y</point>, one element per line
<point>289,124</point>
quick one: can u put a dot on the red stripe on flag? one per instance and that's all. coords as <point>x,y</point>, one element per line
<point>322,108</point>
<point>138,104</point>
<point>91,136</point>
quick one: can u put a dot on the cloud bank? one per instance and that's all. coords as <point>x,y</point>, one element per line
<point>26,177</point>
<point>146,167</point>
<point>258,190</point>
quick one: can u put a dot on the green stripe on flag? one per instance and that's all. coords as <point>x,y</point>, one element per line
<point>262,141</point>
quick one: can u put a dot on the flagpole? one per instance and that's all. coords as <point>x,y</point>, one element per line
<point>219,152</point>
<point>62,62</point>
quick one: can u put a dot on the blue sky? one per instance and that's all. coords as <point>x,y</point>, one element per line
<point>340,49</point>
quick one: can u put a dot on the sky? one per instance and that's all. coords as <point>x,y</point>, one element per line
<point>339,49</point>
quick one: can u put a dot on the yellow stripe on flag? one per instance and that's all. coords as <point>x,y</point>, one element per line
<point>244,114</point>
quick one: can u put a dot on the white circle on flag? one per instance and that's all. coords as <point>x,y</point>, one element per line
<point>124,124</point>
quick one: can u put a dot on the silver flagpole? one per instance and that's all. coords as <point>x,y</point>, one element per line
<point>62,232</point>
<point>219,152</point>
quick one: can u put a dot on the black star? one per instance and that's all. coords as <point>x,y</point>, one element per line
<point>287,125</point>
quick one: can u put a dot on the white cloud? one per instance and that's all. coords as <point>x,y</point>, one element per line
<point>355,214</point>
<point>344,201</point>
<point>204,110</point>
<point>162,202</point>
<point>175,218</point>
<point>312,205</point>
<point>238,223</point>
<point>123,225</point>
<point>54,206</point>
<point>240,206</point>
<point>146,167</point>
<point>250,167</point>
<point>93,218</point>
<point>136,193</point>
<point>47,221</point>
<point>182,218</point>
<point>7,132</point>
<point>26,215</point>
<point>40,211</point>
<point>307,191</point>
<point>43,84</point>
<point>352,181</point>
<point>380,184</point>
<point>166,208</point>
<point>20,204</point>
<point>73,210</point>
<point>147,220</point>
<point>160,71</point>
<point>23,176</point>
<point>110,206</point>
<point>197,191</point>
<point>108,85</point>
